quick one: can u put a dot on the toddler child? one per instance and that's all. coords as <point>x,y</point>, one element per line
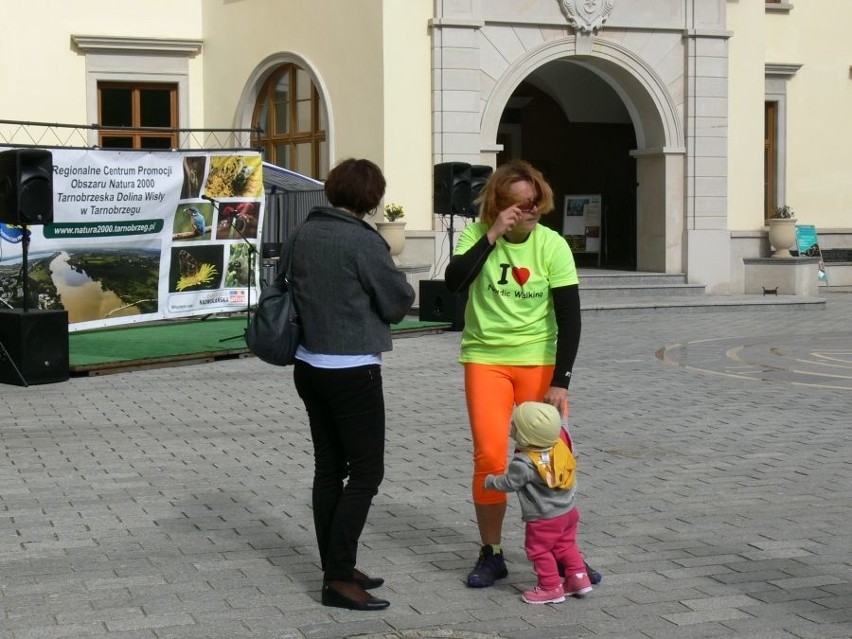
<point>542,472</point>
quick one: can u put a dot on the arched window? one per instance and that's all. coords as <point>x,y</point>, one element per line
<point>292,117</point>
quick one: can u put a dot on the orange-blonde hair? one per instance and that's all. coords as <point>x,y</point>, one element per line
<point>495,195</point>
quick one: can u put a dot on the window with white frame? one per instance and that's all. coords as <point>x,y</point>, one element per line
<point>132,82</point>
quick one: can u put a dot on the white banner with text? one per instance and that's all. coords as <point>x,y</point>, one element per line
<point>140,236</point>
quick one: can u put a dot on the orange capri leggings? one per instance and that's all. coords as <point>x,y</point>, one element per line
<point>492,391</point>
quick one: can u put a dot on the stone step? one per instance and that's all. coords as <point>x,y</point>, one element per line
<point>600,278</point>
<point>593,292</point>
<point>630,292</point>
<point>602,285</point>
<point>628,305</point>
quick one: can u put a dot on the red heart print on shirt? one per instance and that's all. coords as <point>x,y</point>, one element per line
<point>521,275</point>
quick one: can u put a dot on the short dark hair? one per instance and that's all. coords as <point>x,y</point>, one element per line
<point>356,185</point>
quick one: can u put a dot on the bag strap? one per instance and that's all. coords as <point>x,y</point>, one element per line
<point>290,254</point>
<point>285,274</point>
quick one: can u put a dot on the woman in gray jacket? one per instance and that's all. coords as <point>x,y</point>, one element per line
<point>348,292</point>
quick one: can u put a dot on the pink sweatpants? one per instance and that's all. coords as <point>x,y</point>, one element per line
<point>551,543</point>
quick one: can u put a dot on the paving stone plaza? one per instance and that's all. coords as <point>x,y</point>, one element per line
<point>715,470</point>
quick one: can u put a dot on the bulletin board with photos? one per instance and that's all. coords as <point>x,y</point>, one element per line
<point>581,223</point>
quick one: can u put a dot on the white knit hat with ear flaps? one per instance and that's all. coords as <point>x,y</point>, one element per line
<point>537,425</point>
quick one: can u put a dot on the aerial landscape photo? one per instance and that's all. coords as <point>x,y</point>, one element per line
<point>90,284</point>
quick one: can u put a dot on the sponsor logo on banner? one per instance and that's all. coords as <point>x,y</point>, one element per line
<point>11,233</point>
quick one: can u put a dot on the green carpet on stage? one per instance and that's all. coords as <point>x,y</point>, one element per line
<point>176,341</point>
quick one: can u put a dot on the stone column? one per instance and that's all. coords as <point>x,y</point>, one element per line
<point>456,92</point>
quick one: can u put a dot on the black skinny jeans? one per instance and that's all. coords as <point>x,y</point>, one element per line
<point>346,410</point>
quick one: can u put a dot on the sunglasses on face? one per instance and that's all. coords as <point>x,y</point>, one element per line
<point>527,207</point>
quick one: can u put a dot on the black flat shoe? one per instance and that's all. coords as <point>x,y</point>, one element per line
<point>366,582</point>
<point>330,597</point>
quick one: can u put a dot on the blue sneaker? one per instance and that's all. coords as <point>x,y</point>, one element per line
<point>594,576</point>
<point>489,567</point>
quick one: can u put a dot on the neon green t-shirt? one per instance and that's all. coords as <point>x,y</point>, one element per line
<point>509,317</point>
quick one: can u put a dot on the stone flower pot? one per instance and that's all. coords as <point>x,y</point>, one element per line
<point>394,235</point>
<point>782,235</point>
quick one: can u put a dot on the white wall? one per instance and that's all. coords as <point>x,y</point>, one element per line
<point>407,155</point>
<point>42,76</point>
<point>370,57</point>
<point>745,115</point>
<point>340,42</point>
<point>819,108</point>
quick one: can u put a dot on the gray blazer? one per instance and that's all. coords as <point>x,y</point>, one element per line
<point>347,288</point>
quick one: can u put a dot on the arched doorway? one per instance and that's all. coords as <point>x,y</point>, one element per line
<point>647,230</point>
<point>572,125</point>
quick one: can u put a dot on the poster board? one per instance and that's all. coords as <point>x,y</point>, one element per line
<point>139,236</point>
<point>807,244</point>
<point>581,223</point>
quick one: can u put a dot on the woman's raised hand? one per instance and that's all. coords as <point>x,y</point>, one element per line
<point>505,221</point>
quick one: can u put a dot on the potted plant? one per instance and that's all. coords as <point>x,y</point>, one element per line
<point>394,212</point>
<point>782,231</point>
<point>393,229</point>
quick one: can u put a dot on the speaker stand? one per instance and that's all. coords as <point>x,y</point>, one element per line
<point>25,243</point>
<point>4,354</point>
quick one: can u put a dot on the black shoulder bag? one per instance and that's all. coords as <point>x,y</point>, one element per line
<point>275,331</point>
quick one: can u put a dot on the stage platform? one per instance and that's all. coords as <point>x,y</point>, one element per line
<point>178,342</point>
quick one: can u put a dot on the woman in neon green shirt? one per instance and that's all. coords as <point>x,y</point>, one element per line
<point>521,332</point>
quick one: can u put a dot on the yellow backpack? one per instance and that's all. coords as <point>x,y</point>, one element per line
<point>556,465</point>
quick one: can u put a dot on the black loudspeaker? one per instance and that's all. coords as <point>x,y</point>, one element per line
<point>479,174</point>
<point>270,250</point>
<point>26,187</point>
<point>452,188</point>
<point>33,347</point>
<point>439,304</point>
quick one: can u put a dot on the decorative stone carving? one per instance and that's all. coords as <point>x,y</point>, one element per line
<point>587,16</point>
